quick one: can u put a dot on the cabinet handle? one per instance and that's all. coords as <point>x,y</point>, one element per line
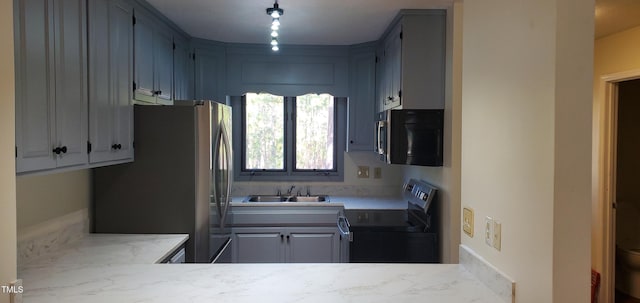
<point>64,149</point>
<point>287,238</point>
<point>351,142</point>
<point>119,146</point>
<point>57,150</point>
<point>281,237</point>
<point>116,146</point>
<point>158,92</point>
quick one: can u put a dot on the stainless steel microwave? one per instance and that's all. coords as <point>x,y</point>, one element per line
<point>411,136</point>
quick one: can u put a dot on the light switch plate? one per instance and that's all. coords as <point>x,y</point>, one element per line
<point>467,221</point>
<point>497,235</point>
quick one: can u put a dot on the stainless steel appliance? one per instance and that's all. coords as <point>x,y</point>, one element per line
<point>411,136</point>
<point>408,236</point>
<point>180,180</point>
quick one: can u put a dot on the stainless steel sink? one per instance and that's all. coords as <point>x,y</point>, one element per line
<point>271,198</point>
<point>321,198</point>
<point>263,198</point>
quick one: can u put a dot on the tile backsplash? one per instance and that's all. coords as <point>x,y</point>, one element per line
<point>241,189</point>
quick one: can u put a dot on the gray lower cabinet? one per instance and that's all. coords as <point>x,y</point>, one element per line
<point>51,84</point>
<point>111,81</point>
<point>286,245</point>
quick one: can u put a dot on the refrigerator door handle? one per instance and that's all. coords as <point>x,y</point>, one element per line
<point>229,161</point>
<point>215,168</point>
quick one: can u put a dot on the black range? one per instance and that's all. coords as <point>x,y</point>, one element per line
<point>398,236</point>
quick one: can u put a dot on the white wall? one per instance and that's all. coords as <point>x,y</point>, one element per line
<point>526,121</point>
<point>7,153</point>
<point>44,197</point>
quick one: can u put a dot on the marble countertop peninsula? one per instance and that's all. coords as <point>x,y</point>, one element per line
<point>337,283</point>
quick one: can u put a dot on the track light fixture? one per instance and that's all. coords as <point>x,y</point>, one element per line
<point>275,12</point>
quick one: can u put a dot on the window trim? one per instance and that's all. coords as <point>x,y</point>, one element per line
<point>289,173</point>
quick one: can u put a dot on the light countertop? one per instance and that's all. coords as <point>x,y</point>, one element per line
<point>119,268</point>
<point>159,283</point>
<point>349,202</point>
<point>113,249</point>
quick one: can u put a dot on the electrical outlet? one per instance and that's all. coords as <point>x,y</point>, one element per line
<point>363,171</point>
<point>488,231</point>
<point>377,172</point>
<point>497,235</point>
<point>467,221</point>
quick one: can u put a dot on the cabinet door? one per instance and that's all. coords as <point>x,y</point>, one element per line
<point>144,57</point>
<point>313,245</point>
<point>361,102</point>
<point>209,75</point>
<point>163,70</point>
<point>35,85</point>
<point>393,60</point>
<point>121,78</point>
<point>183,75</point>
<point>71,81</point>
<point>258,245</point>
<point>111,78</point>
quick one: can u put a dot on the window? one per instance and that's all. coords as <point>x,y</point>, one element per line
<point>289,138</point>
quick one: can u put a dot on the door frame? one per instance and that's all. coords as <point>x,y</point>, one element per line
<point>605,151</point>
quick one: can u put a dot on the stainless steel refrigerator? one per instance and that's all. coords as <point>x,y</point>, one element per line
<point>179,182</point>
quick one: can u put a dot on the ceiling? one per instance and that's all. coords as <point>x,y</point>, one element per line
<point>332,22</point>
<point>613,16</point>
<point>326,22</point>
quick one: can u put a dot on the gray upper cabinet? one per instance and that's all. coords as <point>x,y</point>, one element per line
<point>153,60</point>
<point>51,85</point>
<point>210,74</point>
<point>183,70</point>
<point>362,105</point>
<point>411,62</point>
<point>111,81</point>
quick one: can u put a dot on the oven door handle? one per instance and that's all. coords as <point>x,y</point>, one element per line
<point>344,227</point>
<point>380,126</point>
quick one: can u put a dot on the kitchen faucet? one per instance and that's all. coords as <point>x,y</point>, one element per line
<point>290,190</point>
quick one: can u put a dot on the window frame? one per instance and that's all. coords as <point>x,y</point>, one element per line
<point>289,173</point>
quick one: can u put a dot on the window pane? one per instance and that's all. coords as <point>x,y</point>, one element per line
<point>314,132</point>
<point>264,132</point>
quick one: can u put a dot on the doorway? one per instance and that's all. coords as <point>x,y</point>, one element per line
<point>617,131</point>
<point>627,181</point>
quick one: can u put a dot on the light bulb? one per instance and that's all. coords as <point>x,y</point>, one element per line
<point>274,34</point>
<point>275,48</point>
<point>276,22</point>
<point>275,27</point>
<point>275,14</point>
<point>274,41</point>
